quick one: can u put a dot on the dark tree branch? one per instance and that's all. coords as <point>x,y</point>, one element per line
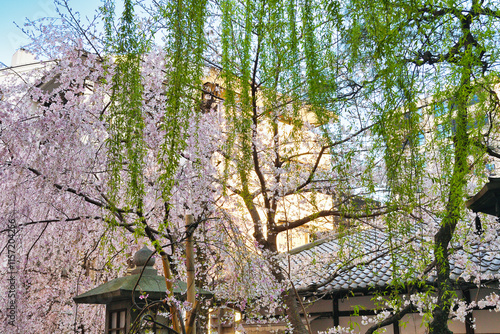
<point>34,243</point>
<point>392,319</point>
<point>488,150</point>
<point>327,213</point>
<point>320,155</point>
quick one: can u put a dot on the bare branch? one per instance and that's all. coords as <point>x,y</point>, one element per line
<point>328,213</point>
<point>47,221</point>
<point>392,319</point>
<point>85,197</point>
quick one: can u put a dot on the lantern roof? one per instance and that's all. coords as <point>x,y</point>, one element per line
<point>487,200</point>
<point>143,281</point>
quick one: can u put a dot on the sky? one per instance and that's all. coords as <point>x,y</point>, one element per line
<point>12,38</point>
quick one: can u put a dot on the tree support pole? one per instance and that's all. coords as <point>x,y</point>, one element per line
<point>191,291</point>
<point>170,289</point>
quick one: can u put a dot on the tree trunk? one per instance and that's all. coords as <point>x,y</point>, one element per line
<point>293,308</point>
<point>293,311</point>
<point>445,292</point>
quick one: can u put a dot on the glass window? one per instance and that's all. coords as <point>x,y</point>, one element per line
<point>474,100</point>
<point>441,109</point>
<point>478,122</point>
<point>421,139</point>
<point>117,322</point>
<point>122,319</point>
<point>490,167</point>
<point>441,131</point>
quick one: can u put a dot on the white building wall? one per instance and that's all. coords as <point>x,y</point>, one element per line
<point>486,321</point>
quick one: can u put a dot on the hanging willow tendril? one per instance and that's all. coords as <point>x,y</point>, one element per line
<point>125,121</point>
<point>185,44</point>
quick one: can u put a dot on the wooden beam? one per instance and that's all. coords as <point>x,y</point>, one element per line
<point>191,292</point>
<point>336,316</point>
<point>469,325</point>
<point>395,327</point>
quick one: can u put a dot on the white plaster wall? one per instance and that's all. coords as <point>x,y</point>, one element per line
<point>348,303</point>
<point>487,322</point>
<point>355,323</point>
<point>321,325</point>
<point>323,305</point>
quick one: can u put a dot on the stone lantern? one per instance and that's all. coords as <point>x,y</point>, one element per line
<point>117,295</point>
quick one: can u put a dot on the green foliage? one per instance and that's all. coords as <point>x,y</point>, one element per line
<point>418,51</point>
<point>280,61</point>
<point>185,46</point>
<point>425,54</point>
<point>278,64</point>
<point>125,120</point>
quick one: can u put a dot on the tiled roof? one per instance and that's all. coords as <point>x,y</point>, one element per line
<point>371,264</point>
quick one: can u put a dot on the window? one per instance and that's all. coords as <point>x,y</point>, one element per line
<point>478,122</point>
<point>441,109</point>
<point>416,115</point>
<point>211,95</point>
<point>420,139</point>
<point>442,131</point>
<point>414,140</point>
<point>474,100</point>
<point>490,167</point>
<point>117,322</point>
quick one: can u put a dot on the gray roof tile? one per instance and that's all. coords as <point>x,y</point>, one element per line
<point>379,271</point>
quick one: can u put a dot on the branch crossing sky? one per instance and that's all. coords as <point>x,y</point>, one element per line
<point>12,38</point>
